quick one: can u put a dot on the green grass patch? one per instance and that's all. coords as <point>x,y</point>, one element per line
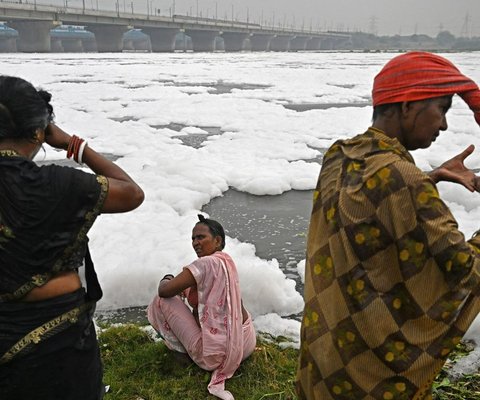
<point>467,387</point>
<point>138,368</point>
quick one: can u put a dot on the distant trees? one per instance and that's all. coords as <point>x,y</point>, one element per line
<point>446,39</point>
<point>467,44</point>
<point>443,41</point>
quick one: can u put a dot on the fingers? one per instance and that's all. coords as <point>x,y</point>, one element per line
<point>476,184</point>
<point>470,187</point>
<point>465,153</point>
<point>472,183</point>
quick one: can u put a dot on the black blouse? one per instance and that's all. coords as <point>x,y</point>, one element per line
<point>45,214</point>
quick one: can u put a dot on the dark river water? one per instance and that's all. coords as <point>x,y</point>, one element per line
<point>276,225</point>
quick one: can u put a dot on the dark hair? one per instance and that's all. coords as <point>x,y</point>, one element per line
<point>23,109</point>
<point>382,109</point>
<point>215,228</point>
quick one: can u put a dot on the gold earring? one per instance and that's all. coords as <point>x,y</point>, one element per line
<point>38,137</point>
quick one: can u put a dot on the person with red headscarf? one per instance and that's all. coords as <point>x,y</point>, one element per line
<point>391,284</point>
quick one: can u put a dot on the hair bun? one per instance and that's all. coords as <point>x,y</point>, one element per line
<point>46,97</point>
<point>201,218</point>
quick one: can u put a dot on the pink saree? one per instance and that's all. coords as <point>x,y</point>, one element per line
<point>222,341</point>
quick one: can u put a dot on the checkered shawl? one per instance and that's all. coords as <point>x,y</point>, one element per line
<point>391,285</point>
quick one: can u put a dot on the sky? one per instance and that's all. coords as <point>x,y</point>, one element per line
<point>383,17</point>
<point>125,105</point>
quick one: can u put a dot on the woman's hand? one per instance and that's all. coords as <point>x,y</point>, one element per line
<point>454,170</point>
<point>169,287</point>
<point>56,137</point>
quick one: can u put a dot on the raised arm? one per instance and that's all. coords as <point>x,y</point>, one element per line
<point>123,193</point>
<point>170,286</point>
<point>454,170</point>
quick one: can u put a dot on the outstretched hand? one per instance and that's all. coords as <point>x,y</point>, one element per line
<point>454,170</point>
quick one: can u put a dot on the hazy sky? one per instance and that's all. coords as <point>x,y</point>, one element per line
<point>388,17</point>
<point>383,16</point>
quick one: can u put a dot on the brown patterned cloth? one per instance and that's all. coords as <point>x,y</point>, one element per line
<point>391,285</point>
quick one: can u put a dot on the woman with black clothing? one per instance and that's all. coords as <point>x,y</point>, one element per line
<point>48,346</point>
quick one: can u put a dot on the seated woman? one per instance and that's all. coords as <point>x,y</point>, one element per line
<point>218,334</point>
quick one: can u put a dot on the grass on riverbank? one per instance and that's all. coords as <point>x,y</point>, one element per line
<point>138,368</point>
<point>468,387</point>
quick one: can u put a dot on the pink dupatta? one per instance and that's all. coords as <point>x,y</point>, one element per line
<point>217,317</point>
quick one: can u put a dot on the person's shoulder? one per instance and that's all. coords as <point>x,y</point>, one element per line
<point>224,255</point>
<point>216,258</point>
<point>65,171</point>
<point>204,260</point>
<point>59,167</point>
<point>356,146</point>
<point>205,263</point>
<point>409,171</point>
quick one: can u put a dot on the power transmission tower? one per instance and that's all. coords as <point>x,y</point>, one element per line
<point>466,26</point>
<point>372,27</point>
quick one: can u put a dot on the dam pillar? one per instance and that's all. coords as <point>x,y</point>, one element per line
<point>72,45</point>
<point>109,38</point>
<point>260,42</point>
<point>202,40</point>
<point>234,41</point>
<point>89,45</point>
<point>162,39</point>
<point>299,43</point>
<point>8,45</point>
<point>314,43</point>
<point>33,36</point>
<point>281,43</point>
<point>56,45</point>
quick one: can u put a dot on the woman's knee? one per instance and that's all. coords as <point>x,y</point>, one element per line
<point>154,314</point>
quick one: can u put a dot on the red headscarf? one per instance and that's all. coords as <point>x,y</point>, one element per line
<point>420,75</point>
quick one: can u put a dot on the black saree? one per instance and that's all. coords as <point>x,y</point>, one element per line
<point>45,214</point>
<point>48,349</point>
<point>62,364</point>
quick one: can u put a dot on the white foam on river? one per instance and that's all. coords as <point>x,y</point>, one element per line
<point>122,103</point>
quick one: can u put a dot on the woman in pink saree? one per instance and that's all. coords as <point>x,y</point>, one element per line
<point>216,331</point>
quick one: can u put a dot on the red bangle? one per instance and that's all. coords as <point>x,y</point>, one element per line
<point>74,146</point>
<point>70,147</point>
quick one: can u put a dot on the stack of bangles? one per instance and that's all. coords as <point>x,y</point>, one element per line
<point>167,277</point>
<point>75,148</point>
